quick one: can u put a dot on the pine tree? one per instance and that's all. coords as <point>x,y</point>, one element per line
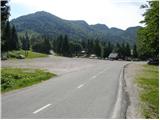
<point>47,45</point>
<point>59,44</point>
<point>90,47</point>
<point>118,48</point>
<point>123,51</point>
<point>84,45</point>
<point>5,10</point>
<point>65,46</point>
<point>135,54</point>
<point>97,48</point>
<point>5,30</point>
<point>6,37</point>
<point>127,50</point>
<point>4,33</point>
<point>109,48</point>
<point>26,44</point>
<point>14,39</point>
<point>102,50</point>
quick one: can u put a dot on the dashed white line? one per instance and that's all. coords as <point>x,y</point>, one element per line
<point>94,77</point>
<point>80,86</point>
<point>102,72</point>
<point>40,109</point>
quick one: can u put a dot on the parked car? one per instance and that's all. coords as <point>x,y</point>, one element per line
<point>113,56</point>
<point>4,56</point>
<point>128,59</point>
<point>92,56</point>
<point>153,61</point>
<point>136,59</point>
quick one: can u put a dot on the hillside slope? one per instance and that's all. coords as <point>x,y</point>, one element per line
<point>45,23</point>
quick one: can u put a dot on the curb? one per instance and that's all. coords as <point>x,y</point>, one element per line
<point>122,101</point>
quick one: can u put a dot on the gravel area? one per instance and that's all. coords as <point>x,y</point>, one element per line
<point>55,64</point>
<point>133,111</point>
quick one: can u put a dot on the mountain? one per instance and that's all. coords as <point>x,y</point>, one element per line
<point>44,23</point>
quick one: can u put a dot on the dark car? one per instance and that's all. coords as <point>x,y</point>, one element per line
<point>4,56</point>
<point>153,61</point>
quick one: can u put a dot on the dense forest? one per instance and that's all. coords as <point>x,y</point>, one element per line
<point>62,45</point>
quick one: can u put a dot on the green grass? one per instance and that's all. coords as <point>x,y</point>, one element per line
<point>148,80</point>
<point>15,78</point>
<point>35,55</point>
<point>14,54</point>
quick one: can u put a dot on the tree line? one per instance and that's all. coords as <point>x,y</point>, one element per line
<point>9,38</point>
<point>62,45</point>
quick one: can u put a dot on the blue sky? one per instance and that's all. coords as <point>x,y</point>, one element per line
<point>114,13</point>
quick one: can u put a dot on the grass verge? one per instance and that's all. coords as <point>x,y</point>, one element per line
<point>148,81</point>
<point>14,54</point>
<point>15,78</point>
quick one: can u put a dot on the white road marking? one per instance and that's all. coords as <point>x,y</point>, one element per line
<point>80,86</point>
<point>35,112</point>
<point>94,77</point>
<point>102,72</point>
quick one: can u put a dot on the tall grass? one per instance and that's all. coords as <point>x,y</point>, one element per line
<point>148,80</point>
<point>15,78</point>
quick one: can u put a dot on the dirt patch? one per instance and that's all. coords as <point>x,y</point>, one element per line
<point>134,110</point>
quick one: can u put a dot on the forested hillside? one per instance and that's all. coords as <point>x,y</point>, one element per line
<point>43,23</point>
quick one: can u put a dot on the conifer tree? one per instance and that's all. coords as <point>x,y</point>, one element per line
<point>14,40</point>
<point>65,46</point>
<point>135,54</point>
<point>26,44</point>
<point>127,50</point>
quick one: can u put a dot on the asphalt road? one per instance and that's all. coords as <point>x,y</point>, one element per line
<point>89,92</point>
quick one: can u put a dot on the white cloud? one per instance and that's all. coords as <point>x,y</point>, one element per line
<point>110,12</point>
